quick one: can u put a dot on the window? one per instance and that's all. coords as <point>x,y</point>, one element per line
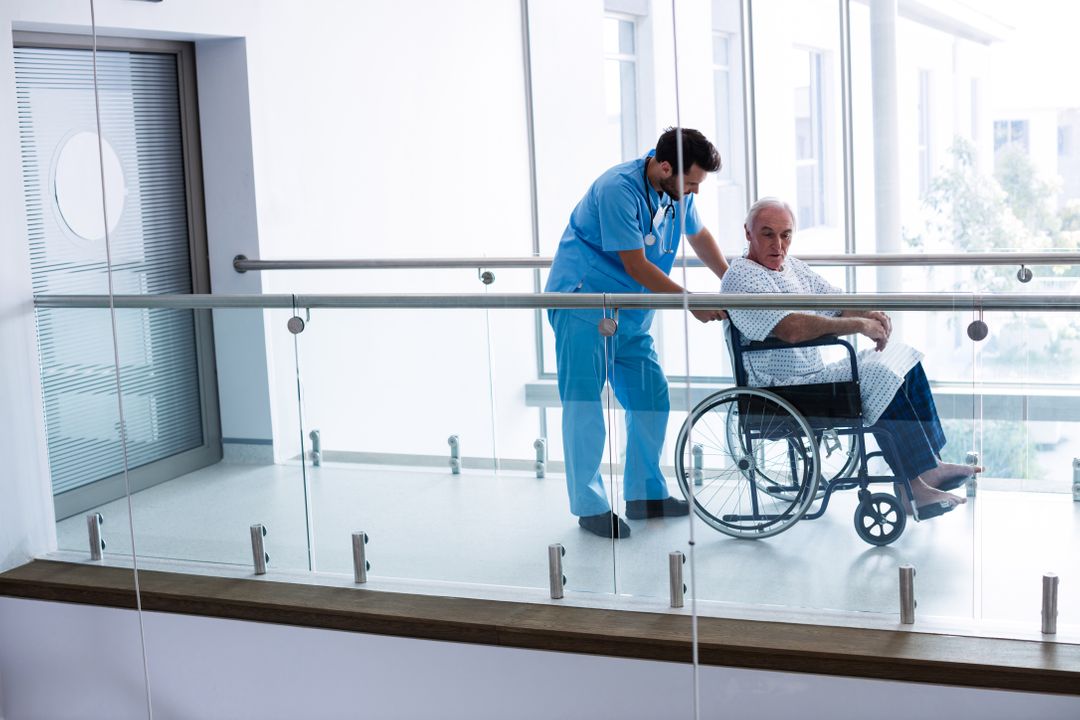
<point>169,391</point>
<point>620,86</point>
<point>1011,132</point>
<point>925,164</point>
<point>722,93</point>
<point>809,139</point>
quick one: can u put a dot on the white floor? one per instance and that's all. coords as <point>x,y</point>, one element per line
<point>983,561</point>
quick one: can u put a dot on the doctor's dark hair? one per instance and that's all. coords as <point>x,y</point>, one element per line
<point>696,150</point>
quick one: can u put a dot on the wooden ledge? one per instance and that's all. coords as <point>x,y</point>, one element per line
<point>851,652</point>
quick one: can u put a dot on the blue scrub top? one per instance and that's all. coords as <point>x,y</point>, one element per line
<point>614,216</point>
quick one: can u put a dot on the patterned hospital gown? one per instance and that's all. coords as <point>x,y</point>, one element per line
<point>880,373</point>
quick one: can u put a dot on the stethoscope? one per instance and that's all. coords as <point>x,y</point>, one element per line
<point>667,211</point>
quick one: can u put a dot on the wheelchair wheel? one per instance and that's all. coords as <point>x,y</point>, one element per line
<point>839,458</point>
<point>879,518</point>
<point>774,441</point>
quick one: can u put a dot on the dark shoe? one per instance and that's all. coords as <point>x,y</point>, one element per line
<point>668,507</point>
<point>606,525</point>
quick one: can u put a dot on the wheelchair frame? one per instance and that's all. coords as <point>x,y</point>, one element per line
<point>816,412</point>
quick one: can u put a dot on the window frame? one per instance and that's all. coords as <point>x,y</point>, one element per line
<point>818,123</point>
<point>633,61</point>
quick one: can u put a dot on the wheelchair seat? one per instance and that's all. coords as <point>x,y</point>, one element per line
<point>824,405</point>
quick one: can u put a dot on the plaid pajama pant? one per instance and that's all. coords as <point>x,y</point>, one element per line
<point>913,427</point>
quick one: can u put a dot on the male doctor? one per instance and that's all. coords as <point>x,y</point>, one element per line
<point>622,238</point>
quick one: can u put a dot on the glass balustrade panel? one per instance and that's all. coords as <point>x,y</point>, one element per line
<point>398,431</point>
<point>210,400</point>
<point>770,538</point>
<point>1027,506</point>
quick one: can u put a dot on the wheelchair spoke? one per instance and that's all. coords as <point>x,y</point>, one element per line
<point>755,460</point>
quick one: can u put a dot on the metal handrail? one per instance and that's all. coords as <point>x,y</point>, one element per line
<point>674,301</point>
<point>242,263</point>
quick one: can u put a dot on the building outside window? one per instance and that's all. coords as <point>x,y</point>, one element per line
<point>809,138</point>
<point>620,86</point>
<point>1011,132</point>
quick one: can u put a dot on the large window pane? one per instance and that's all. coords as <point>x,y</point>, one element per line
<point>798,115</point>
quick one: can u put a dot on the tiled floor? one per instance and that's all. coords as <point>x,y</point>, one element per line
<point>984,560</point>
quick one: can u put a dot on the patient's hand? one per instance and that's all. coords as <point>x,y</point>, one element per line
<point>707,315</point>
<point>875,330</point>
<point>882,318</point>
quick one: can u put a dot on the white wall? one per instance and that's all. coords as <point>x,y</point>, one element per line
<point>394,130</point>
<point>233,229</point>
<point>26,514</point>
<point>76,661</point>
<point>342,130</point>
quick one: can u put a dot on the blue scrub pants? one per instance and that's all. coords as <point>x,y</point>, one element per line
<point>585,359</point>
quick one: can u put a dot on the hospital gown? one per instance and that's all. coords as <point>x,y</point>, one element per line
<point>880,373</point>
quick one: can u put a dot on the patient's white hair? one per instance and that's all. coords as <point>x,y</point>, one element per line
<point>768,202</point>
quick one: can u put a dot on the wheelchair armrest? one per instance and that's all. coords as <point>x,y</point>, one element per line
<point>777,344</point>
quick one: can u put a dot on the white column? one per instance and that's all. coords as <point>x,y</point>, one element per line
<point>886,137</point>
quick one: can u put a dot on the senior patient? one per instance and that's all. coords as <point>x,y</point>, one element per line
<point>895,393</point>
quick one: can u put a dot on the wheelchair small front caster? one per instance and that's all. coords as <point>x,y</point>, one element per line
<point>880,519</point>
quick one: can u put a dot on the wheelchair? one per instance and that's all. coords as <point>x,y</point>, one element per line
<point>750,460</point>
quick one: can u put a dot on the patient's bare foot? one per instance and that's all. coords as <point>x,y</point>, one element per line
<point>926,494</point>
<point>945,472</point>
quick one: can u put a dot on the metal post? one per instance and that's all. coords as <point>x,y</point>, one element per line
<point>907,594</point>
<point>359,557</point>
<point>675,578</point>
<point>1076,479</point>
<point>1049,604</point>
<point>94,522</point>
<point>697,459</point>
<point>541,457</point>
<point>316,447</point>
<point>556,579</point>
<point>972,483</point>
<point>455,454</point>
<point>258,552</point>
